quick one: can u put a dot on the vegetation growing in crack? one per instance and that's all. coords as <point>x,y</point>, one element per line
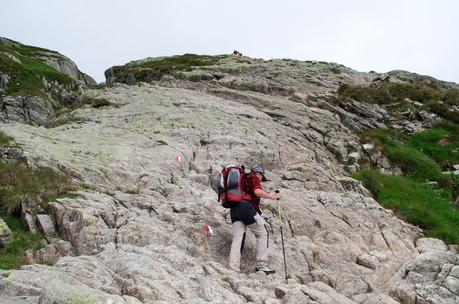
<point>12,256</point>
<point>19,183</point>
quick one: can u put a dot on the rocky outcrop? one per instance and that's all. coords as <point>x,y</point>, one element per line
<point>433,277</point>
<point>138,236</point>
<point>277,76</point>
<point>57,61</point>
<point>33,110</point>
<point>30,93</point>
<point>358,116</point>
<point>66,66</point>
<point>405,76</point>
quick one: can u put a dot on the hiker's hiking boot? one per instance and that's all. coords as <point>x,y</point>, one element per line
<point>265,269</point>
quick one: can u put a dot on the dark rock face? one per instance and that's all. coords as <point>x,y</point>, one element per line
<point>32,110</point>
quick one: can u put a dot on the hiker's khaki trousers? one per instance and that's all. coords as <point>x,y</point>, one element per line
<point>261,234</point>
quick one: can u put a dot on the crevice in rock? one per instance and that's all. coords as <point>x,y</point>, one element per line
<point>333,214</point>
<point>453,292</point>
<point>306,260</point>
<point>290,179</point>
<point>291,228</point>
<point>385,239</point>
<point>152,209</point>
<point>117,201</point>
<point>342,218</point>
<point>101,216</point>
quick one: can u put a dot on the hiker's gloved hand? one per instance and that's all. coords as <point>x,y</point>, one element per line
<point>275,196</point>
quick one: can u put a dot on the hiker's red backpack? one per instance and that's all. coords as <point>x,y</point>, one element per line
<point>229,185</point>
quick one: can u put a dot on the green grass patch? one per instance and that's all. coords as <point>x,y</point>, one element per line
<point>423,156</point>
<point>387,93</point>
<point>181,63</point>
<point>28,74</point>
<point>439,144</point>
<point>415,202</point>
<point>414,163</point>
<point>88,187</point>
<point>12,256</point>
<point>19,183</point>
<point>5,140</point>
<point>100,102</point>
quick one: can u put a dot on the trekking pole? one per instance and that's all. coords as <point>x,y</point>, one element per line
<point>282,238</point>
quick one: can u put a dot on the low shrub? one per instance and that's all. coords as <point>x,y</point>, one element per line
<point>100,102</point>
<point>5,140</point>
<point>391,92</point>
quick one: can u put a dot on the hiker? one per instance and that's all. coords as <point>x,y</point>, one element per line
<point>248,214</point>
<point>237,53</point>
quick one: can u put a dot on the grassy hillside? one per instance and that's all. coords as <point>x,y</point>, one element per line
<point>423,195</point>
<point>415,202</point>
<point>27,71</point>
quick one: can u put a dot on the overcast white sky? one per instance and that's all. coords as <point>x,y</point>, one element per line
<point>416,35</point>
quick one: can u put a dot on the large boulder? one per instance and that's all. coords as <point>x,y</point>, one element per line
<point>30,95</point>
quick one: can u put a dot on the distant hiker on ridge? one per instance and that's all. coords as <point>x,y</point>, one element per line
<point>237,53</point>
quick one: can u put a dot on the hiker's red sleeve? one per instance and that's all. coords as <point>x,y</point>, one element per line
<point>256,184</point>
